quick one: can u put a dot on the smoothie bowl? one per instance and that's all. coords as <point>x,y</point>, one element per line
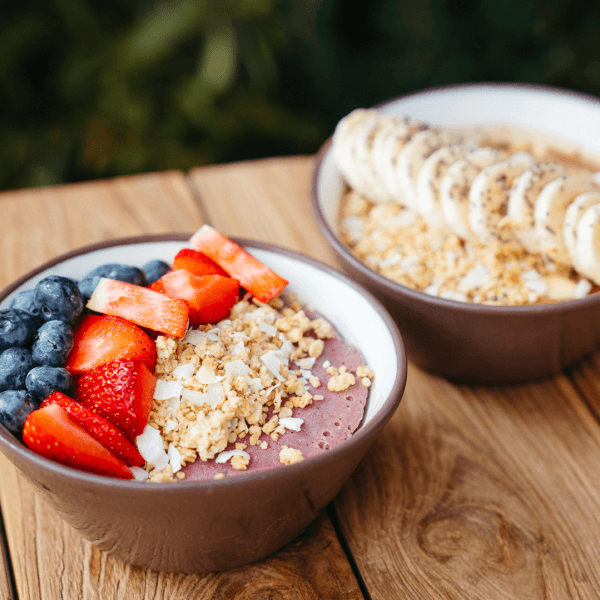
<point>219,488</point>
<point>472,212</point>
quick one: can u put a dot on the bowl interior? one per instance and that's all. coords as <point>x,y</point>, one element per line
<point>571,118</point>
<point>354,312</point>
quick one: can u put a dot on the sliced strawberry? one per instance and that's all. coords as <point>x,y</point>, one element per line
<point>50,432</point>
<point>157,286</point>
<point>122,391</point>
<point>210,297</point>
<point>100,338</point>
<point>263,283</point>
<point>101,429</point>
<point>197,263</point>
<point>141,306</point>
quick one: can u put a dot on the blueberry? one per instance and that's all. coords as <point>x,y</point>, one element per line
<point>17,328</point>
<point>58,298</point>
<point>15,363</point>
<point>52,343</point>
<point>15,405</point>
<point>111,271</point>
<point>25,300</point>
<point>42,381</point>
<point>154,270</point>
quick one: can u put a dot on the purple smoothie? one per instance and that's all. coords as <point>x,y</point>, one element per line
<point>327,422</point>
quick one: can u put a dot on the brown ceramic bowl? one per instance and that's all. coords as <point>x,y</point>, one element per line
<point>216,525</point>
<point>464,341</point>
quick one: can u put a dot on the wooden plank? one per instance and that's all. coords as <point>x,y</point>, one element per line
<point>266,200</point>
<point>479,493</point>
<point>51,560</point>
<point>6,584</point>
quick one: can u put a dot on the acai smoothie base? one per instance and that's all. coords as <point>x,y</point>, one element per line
<point>269,386</point>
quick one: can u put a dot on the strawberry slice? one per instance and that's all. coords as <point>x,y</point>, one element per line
<point>210,297</point>
<point>50,432</point>
<point>141,306</point>
<point>101,429</point>
<point>100,338</point>
<point>263,283</point>
<point>157,286</point>
<point>197,263</point>
<point>122,391</point>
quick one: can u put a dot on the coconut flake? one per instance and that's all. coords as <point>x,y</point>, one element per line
<point>139,474</point>
<point>185,371</point>
<point>582,289</point>
<point>453,295</point>
<point>475,278</point>
<point>165,390</point>
<point>255,384</point>
<point>195,397</point>
<point>305,374</point>
<point>170,425</point>
<point>205,375</point>
<point>150,445</point>
<point>239,348</point>
<point>237,368</point>
<point>215,394</point>
<point>307,363</point>
<point>293,423</point>
<point>174,458</point>
<point>270,330</point>
<point>223,457</point>
<point>273,362</point>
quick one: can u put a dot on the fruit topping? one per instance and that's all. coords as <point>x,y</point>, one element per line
<point>17,328</point>
<point>154,270</point>
<point>122,391</point>
<point>197,263</point>
<point>100,339</point>
<point>140,305</point>
<point>25,300</point>
<point>42,381</point>
<point>15,406</point>
<point>52,433</point>
<point>15,363</point>
<point>58,298</point>
<point>263,283</point>
<point>116,271</point>
<point>210,297</point>
<point>52,343</point>
<point>101,429</point>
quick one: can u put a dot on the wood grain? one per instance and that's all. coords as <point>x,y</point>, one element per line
<point>481,493</point>
<point>266,200</point>
<point>50,560</point>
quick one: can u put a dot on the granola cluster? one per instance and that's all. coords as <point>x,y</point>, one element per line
<point>239,382</point>
<point>402,246</point>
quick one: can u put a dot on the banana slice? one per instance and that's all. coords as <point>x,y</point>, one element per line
<point>387,149</point>
<point>522,198</point>
<point>413,156</point>
<point>572,216</point>
<point>488,198</point>
<point>369,184</point>
<point>455,186</point>
<point>587,244</point>
<point>549,213</point>
<point>344,138</point>
<point>429,180</point>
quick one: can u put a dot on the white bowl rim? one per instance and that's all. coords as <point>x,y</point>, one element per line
<point>11,443</point>
<point>401,290</point>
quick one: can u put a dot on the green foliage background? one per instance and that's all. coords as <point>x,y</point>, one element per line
<point>92,88</point>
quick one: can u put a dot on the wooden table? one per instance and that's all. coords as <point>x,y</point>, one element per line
<point>471,493</point>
